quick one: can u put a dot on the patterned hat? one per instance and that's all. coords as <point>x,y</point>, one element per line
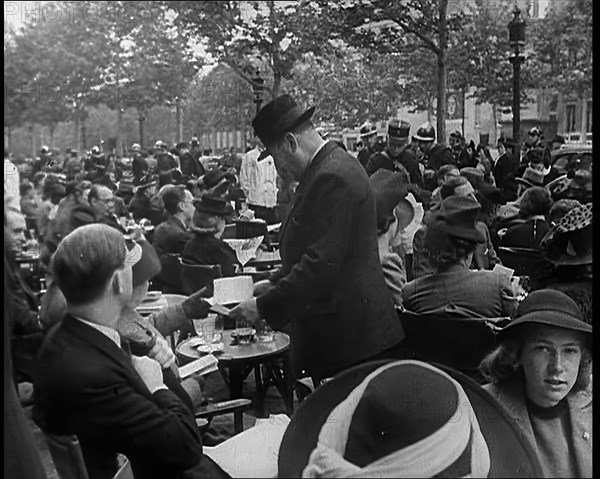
<point>570,241</point>
<point>532,177</point>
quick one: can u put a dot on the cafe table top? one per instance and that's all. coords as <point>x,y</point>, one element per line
<point>254,351</point>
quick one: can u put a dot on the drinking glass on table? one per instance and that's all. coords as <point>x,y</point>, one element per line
<point>264,333</point>
<point>243,331</point>
<point>209,329</point>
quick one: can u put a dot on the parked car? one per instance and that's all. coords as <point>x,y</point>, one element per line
<point>572,157</point>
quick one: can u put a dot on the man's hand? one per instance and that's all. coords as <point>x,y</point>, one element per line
<point>162,353</point>
<point>150,372</point>
<point>247,311</point>
<point>261,287</point>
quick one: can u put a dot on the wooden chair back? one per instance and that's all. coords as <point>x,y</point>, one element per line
<point>67,456</point>
<point>195,277</point>
<point>169,278</point>
<point>457,342</point>
<point>525,261</point>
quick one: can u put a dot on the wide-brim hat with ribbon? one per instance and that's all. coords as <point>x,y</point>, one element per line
<point>456,218</point>
<point>148,265</point>
<point>570,241</point>
<point>404,419</point>
<point>389,190</point>
<point>531,177</point>
<point>213,205</point>
<point>547,307</point>
<point>398,131</point>
<point>278,116</point>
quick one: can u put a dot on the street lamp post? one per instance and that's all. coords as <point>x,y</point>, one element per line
<point>258,88</point>
<point>141,119</point>
<point>516,30</point>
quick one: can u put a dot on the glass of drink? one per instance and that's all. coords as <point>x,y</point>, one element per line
<point>243,331</point>
<point>205,329</point>
<point>264,333</point>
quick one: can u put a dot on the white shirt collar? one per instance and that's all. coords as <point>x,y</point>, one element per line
<point>109,332</point>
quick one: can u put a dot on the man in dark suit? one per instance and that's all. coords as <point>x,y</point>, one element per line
<point>190,166</point>
<point>88,385</point>
<point>505,167</point>
<point>172,235</point>
<point>330,293</point>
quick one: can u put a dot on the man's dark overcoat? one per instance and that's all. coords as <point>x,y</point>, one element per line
<point>330,293</point>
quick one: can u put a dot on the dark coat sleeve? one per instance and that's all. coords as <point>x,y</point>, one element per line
<point>378,161</point>
<point>110,407</point>
<point>319,268</point>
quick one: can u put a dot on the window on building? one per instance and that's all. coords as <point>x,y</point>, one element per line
<point>589,116</point>
<point>477,115</point>
<point>571,119</point>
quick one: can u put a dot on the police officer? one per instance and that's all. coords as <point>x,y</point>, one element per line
<point>396,153</point>
<point>536,137</point>
<point>167,164</point>
<point>368,136</point>
<point>434,154</point>
<point>459,150</point>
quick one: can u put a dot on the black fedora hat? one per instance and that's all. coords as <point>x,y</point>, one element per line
<point>278,116</point>
<point>510,454</point>
<point>213,205</point>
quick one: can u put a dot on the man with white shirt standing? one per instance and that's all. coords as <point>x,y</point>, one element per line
<point>87,384</point>
<point>258,179</point>
<point>330,293</point>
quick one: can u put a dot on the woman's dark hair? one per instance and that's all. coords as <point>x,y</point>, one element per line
<point>443,249</point>
<point>502,362</point>
<point>536,201</point>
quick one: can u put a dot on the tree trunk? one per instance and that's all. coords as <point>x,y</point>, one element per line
<point>441,71</point>
<point>179,120</point>
<point>51,130</point>
<point>119,141</point>
<point>495,120</point>
<point>32,136</point>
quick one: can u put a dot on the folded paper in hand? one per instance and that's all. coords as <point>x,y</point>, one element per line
<point>204,365</point>
<point>254,452</point>
<point>245,249</point>
<point>503,270</point>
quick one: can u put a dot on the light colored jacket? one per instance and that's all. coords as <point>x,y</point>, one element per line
<point>511,394</point>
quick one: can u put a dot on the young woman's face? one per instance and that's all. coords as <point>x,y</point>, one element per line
<point>550,358</point>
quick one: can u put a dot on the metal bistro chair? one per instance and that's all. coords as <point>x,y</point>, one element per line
<point>196,276</point>
<point>458,342</point>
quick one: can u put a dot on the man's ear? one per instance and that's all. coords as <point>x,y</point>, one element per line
<point>291,141</point>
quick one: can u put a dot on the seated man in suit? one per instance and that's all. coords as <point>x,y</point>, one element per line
<point>171,235</point>
<point>89,386</point>
<point>450,241</point>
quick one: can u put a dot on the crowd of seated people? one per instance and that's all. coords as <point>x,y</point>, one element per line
<point>541,367</point>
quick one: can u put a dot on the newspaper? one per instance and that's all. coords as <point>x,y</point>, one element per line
<point>245,249</point>
<point>254,452</point>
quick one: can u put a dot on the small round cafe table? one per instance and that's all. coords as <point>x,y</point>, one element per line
<point>237,361</point>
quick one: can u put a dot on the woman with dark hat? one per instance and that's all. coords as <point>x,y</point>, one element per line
<point>450,240</point>
<point>569,247</point>
<point>541,373</point>
<point>533,208</point>
<point>207,247</point>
